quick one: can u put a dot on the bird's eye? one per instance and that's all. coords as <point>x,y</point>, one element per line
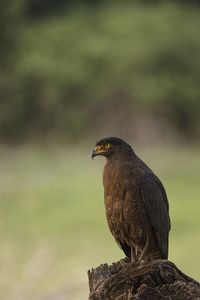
<point>107,145</point>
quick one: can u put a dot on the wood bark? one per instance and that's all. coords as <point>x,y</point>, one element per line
<point>158,279</point>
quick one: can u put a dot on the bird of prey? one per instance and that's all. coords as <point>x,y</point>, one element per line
<point>136,204</point>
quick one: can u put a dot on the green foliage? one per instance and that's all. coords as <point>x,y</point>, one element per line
<point>80,67</point>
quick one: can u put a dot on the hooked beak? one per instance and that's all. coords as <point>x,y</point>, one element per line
<point>98,150</point>
<point>93,154</point>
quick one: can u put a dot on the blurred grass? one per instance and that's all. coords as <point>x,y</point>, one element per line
<point>52,220</point>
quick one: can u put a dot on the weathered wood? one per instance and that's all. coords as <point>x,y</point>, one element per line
<point>159,279</point>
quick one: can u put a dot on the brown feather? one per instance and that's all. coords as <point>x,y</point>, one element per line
<point>136,203</point>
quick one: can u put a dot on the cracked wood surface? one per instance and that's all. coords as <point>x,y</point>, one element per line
<point>158,279</point>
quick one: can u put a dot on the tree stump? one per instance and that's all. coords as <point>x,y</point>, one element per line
<point>158,279</point>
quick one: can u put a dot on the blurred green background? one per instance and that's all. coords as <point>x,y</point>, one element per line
<point>71,73</point>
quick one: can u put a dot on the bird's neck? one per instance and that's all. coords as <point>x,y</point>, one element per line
<point>124,155</point>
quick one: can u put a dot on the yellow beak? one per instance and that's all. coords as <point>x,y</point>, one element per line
<point>98,150</point>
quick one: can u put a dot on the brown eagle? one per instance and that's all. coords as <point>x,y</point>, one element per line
<point>136,203</point>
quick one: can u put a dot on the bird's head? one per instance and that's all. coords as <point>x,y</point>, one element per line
<point>112,147</point>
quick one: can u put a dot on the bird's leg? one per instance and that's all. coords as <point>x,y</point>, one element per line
<point>133,254</point>
<point>145,249</point>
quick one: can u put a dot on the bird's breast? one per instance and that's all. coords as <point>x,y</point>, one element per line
<point>124,207</point>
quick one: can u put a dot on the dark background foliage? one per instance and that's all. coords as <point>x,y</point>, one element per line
<point>71,70</point>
